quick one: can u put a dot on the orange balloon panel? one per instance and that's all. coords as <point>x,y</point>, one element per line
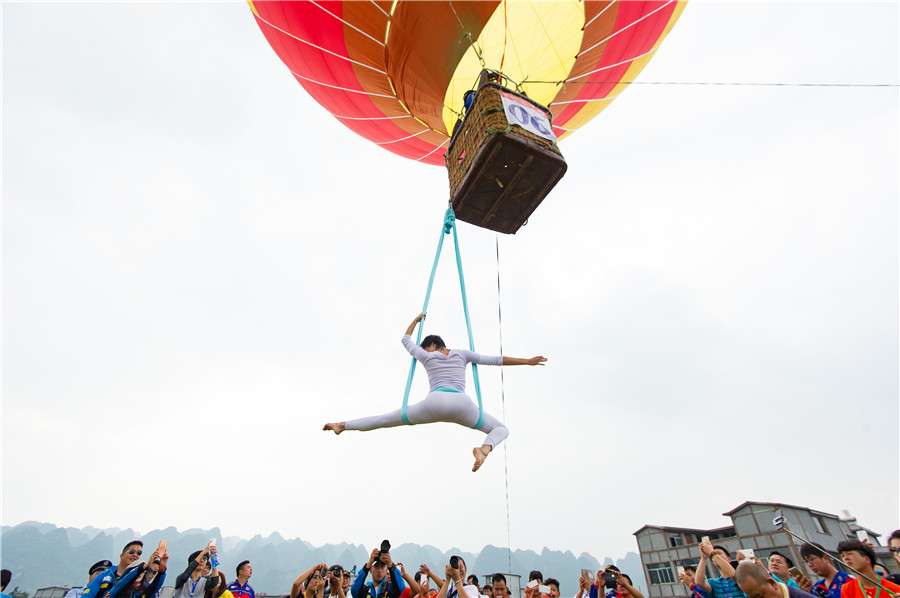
<point>395,71</point>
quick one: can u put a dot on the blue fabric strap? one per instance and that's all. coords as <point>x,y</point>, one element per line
<point>448,226</point>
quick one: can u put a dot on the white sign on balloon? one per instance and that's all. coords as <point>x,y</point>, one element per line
<point>529,117</point>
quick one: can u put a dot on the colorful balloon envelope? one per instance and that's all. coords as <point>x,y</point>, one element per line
<point>396,72</point>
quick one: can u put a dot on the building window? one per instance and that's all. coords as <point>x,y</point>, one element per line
<point>661,573</point>
<point>819,524</point>
<point>676,540</point>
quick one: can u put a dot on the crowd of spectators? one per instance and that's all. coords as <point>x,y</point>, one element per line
<point>748,577</point>
<point>381,577</point>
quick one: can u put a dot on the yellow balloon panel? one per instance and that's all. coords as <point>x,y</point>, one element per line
<point>536,41</point>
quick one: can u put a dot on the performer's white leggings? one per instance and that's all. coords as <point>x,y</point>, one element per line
<point>438,406</point>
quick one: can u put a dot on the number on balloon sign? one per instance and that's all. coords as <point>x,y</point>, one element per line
<point>541,125</point>
<point>520,113</point>
<point>530,120</point>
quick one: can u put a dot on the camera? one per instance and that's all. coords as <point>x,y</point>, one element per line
<point>454,562</point>
<point>610,580</point>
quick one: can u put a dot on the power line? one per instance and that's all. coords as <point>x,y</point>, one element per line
<point>738,83</point>
<point>723,83</point>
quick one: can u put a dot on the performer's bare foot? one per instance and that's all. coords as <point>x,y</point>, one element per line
<point>480,453</point>
<point>336,428</point>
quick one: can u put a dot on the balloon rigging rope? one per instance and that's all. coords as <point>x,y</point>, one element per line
<point>626,28</point>
<point>320,48</point>
<point>467,34</point>
<point>505,32</point>
<point>503,403</point>
<point>717,83</point>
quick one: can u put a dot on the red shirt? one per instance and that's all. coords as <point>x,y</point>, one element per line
<point>853,589</point>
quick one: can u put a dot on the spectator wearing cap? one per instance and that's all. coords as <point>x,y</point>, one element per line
<point>95,570</point>
<point>820,564</point>
<point>624,588</point>
<point>240,588</point>
<point>723,586</point>
<point>197,576</point>
<point>5,577</point>
<point>123,573</point>
<point>867,584</point>
<point>386,579</point>
<point>346,580</point>
<point>779,568</point>
<point>755,582</point>
<point>594,590</point>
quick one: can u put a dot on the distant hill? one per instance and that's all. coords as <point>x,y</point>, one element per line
<point>42,555</point>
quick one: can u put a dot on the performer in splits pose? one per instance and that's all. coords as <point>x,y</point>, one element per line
<point>447,400</point>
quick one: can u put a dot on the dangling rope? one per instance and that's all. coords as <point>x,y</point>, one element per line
<point>448,226</point>
<point>503,403</point>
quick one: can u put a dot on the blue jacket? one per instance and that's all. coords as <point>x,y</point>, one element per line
<point>147,590</point>
<point>390,587</point>
<point>108,582</point>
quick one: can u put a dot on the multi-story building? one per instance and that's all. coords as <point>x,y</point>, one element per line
<point>663,549</point>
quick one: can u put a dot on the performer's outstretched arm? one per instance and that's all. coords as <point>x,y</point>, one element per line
<point>539,360</point>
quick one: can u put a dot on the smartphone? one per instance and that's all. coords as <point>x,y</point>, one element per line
<point>161,551</point>
<point>795,572</point>
<point>747,552</point>
<point>532,584</point>
<point>588,575</point>
<point>680,570</point>
<point>704,540</point>
<point>545,590</point>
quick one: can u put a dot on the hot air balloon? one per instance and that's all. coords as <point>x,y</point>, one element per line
<point>396,72</point>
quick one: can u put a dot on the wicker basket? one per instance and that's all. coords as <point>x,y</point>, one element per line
<point>499,172</point>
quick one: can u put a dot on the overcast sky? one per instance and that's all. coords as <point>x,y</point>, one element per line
<point>201,267</point>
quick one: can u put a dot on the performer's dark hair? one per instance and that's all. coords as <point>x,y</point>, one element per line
<point>433,339</point>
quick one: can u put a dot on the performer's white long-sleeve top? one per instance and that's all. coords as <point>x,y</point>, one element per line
<point>447,371</point>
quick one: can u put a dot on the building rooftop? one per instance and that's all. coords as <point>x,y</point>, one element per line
<point>692,530</point>
<point>776,504</point>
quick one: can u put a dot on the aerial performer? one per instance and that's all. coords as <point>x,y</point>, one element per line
<point>447,400</point>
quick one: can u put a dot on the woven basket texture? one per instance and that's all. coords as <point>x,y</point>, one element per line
<point>485,117</point>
